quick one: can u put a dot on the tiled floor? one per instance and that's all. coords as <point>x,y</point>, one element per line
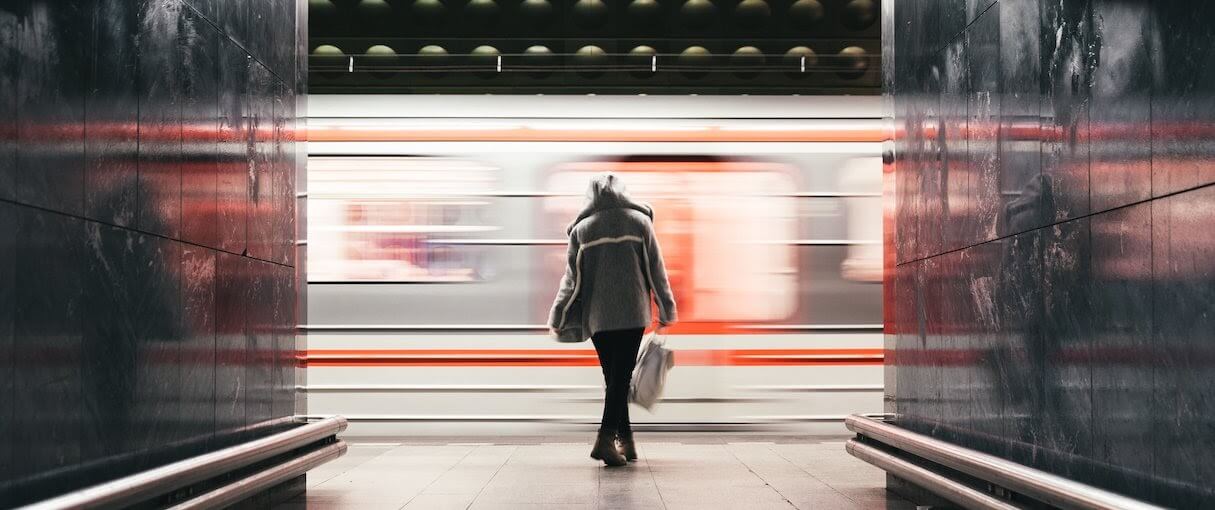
<point>674,472</point>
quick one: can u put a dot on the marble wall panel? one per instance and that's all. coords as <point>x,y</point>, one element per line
<point>9,22</point>
<point>51,74</point>
<point>952,19</point>
<point>1124,69</point>
<point>931,230</point>
<point>209,9</point>
<point>983,95</point>
<point>1065,63</point>
<point>1061,417</point>
<point>982,342</point>
<point>1020,147</point>
<point>945,342</point>
<point>111,341</point>
<point>976,8</point>
<point>234,19</point>
<point>200,131</point>
<point>156,283</point>
<point>1183,259</point>
<point>281,52</point>
<point>1183,97</point>
<point>1016,341</point>
<point>48,332</point>
<point>909,346</point>
<point>954,150</point>
<point>8,303</point>
<point>235,166</point>
<point>1121,355</point>
<point>231,346</point>
<point>259,342</point>
<point>260,148</point>
<point>111,145</point>
<point>283,338</point>
<point>283,169</point>
<point>936,403</point>
<point>198,345</point>
<point>160,117</point>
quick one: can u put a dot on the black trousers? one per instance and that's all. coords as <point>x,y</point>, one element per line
<point>617,350</point>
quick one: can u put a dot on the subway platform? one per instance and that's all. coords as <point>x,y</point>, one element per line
<point>675,471</point>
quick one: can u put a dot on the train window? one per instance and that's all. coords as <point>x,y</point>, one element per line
<point>385,219</point>
<point>725,227</point>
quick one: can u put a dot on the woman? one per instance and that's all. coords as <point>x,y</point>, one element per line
<point>613,267</point>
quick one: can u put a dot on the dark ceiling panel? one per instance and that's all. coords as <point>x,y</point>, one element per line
<point>595,46</point>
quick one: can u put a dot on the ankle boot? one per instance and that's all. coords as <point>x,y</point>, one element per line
<point>628,448</point>
<point>605,449</point>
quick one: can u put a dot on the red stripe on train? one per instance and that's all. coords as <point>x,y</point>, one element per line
<point>582,357</point>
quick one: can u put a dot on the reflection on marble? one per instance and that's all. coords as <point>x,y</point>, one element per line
<point>259,148</point>
<point>231,346</point>
<point>235,167</point>
<point>111,166</point>
<point>126,289</point>
<point>283,163</point>
<point>1183,99</point>
<point>160,97</point>
<point>1183,258</point>
<point>200,131</point>
<point>8,100</point>
<point>1122,323</point>
<point>259,366</point>
<point>48,332</point>
<point>1123,74</point>
<point>933,206</point>
<point>1053,284</point>
<point>1062,420</point>
<point>952,131</point>
<point>283,338</point>
<point>8,296</point>
<point>983,127</point>
<point>51,71</point>
<point>1020,155</point>
<point>198,299</point>
<point>1065,104</point>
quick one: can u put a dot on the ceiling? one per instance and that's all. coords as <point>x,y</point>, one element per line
<point>807,47</point>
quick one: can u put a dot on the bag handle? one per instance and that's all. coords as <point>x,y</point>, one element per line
<point>660,332</point>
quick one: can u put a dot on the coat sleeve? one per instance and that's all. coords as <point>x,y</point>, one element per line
<point>565,293</point>
<point>658,280</point>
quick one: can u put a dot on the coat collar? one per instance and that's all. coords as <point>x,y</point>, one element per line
<point>606,202</point>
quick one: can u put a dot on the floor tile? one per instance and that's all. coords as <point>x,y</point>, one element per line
<point>674,472</point>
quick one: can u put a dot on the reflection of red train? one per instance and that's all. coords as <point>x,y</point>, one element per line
<point>744,246</point>
<point>725,226</point>
<point>433,295</point>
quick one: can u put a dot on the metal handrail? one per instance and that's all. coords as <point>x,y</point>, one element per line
<point>148,484</point>
<point>1051,489</point>
<point>937,484</point>
<point>244,488</point>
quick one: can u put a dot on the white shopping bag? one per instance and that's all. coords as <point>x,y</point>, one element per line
<point>650,374</point>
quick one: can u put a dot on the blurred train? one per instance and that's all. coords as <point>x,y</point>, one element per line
<point>436,238</point>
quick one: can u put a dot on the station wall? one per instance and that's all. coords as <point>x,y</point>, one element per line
<point>148,158</point>
<point>1055,267</point>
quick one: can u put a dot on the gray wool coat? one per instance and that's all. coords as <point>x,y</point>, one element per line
<point>614,268</point>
